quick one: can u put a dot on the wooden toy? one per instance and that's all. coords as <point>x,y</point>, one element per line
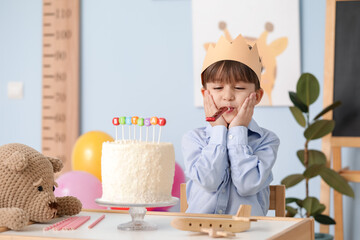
<point>217,227</point>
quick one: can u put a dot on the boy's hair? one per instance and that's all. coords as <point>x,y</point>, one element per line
<point>228,71</point>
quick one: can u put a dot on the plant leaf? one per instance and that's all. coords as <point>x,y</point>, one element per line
<point>315,157</point>
<point>298,201</point>
<point>308,88</point>
<point>297,102</point>
<point>323,219</point>
<point>321,208</point>
<point>298,115</point>
<point>292,180</point>
<point>319,129</point>
<point>290,200</point>
<point>313,170</point>
<point>312,205</point>
<point>334,180</point>
<point>328,108</point>
<point>290,211</point>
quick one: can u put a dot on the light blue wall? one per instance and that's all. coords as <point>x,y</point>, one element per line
<point>20,60</point>
<point>137,60</point>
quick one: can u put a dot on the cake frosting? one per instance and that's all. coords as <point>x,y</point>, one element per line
<point>137,172</point>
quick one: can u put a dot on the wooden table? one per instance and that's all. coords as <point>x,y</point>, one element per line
<point>265,228</point>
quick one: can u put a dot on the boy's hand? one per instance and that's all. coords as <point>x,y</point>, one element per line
<point>210,109</point>
<point>245,112</point>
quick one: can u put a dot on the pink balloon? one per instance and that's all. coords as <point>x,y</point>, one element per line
<point>81,185</point>
<point>179,178</point>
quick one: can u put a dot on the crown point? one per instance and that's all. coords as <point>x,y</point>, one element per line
<point>222,40</point>
<point>254,47</point>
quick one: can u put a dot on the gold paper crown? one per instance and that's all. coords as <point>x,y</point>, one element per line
<point>237,50</point>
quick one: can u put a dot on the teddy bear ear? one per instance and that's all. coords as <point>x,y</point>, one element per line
<point>16,161</point>
<point>56,163</point>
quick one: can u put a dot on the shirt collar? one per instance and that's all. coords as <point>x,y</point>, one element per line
<point>253,127</point>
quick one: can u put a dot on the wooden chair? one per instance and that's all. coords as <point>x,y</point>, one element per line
<point>277,199</point>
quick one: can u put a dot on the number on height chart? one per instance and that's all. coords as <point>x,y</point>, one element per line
<point>60,97</point>
<point>60,76</point>
<point>60,137</point>
<point>60,55</point>
<point>60,118</point>
<point>62,13</point>
<point>64,34</point>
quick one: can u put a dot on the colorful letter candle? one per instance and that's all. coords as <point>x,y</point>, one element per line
<point>154,121</point>
<point>147,124</point>
<point>134,121</point>
<point>116,122</point>
<point>128,122</point>
<point>122,122</point>
<point>162,122</point>
<point>140,122</point>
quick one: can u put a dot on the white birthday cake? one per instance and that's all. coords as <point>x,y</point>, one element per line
<point>137,171</point>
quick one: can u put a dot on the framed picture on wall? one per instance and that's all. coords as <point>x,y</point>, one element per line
<point>273,25</point>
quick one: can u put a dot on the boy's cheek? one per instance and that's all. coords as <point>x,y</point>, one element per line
<point>241,103</point>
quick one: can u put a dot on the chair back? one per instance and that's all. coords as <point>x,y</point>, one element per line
<point>277,199</point>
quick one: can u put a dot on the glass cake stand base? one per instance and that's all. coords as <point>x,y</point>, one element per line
<point>137,213</point>
<point>137,224</point>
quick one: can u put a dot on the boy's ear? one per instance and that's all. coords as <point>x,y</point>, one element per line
<point>203,91</point>
<point>259,95</point>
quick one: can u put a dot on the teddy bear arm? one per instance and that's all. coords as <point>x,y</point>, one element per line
<point>13,218</point>
<point>68,205</point>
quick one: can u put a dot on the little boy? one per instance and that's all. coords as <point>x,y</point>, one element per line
<point>229,161</point>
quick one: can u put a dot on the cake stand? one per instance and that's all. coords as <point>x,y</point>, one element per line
<point>137,212</point>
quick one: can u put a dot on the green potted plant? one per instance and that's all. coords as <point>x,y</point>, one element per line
<point>314,161</point>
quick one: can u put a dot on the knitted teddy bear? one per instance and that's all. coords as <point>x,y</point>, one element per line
<point>27,185</point>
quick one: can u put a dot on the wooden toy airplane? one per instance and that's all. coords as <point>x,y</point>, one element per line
<point>217,227</point>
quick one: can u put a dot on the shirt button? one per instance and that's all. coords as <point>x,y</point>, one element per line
<point>223,191</point>
<point>220,211</point>
<point>230,137</point>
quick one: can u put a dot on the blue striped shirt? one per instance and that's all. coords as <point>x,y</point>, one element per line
<point>229,167</point>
